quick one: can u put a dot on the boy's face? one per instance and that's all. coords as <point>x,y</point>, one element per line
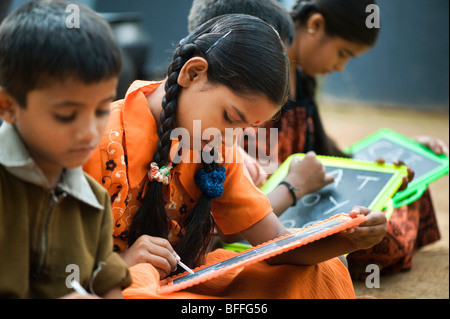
<point>62,123</point>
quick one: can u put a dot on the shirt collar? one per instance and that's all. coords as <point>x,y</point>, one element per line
<point>17,161</point>
<point>186,173</point>
<point>140,130</point>
<point>142,138</point>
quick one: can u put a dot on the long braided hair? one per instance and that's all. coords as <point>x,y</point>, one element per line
<point>250,59</point>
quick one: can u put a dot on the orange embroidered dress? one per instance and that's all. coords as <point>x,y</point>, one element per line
<point>120,164</point>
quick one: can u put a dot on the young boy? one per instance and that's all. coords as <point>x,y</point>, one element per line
<point>58,76</point>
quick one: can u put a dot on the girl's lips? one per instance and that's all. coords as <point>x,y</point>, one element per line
<point>86,149</point>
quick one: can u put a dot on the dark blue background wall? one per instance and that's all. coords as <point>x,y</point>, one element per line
<point>409,65</point>
<point>163,21</point>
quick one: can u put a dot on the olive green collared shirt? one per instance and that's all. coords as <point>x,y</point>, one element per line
<point>50,236</point>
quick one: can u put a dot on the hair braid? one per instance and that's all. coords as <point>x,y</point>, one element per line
<point>229,35</point>
<point>198,225</point>
<point>151,218</point>
<point>169,101</point>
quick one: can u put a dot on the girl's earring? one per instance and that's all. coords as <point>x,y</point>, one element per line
<point>311,31</point>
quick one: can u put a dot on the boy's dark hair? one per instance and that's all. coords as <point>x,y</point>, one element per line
<point>271,11</point>
<point>245,54</point>
<point>343,18</point>
<point>37,48</point>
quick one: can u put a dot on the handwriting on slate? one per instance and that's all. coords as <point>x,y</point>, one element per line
<point>312,199</point>
<point>331,203</point>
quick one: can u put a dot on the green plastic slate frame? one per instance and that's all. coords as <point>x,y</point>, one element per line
<point>380,201</point>
<point>383,201</point>
<point>418,185</point>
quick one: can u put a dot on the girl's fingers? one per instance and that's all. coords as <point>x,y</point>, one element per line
<point>374,230</point>
<point>372,217</point>
<point>410,174</point>
<point>158,252</point>
<point>163,243</point>
<point>161,263</point>
<point>358,210</point>
<point>329,179</point>
<point>161,247</point>
<point>366,237</point>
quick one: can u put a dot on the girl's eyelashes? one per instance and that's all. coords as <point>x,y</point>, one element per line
<point>276,117</point>
<point>227,119</point>
<point>344,54</point>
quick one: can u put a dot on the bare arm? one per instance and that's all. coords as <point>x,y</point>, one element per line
<point>306,176</point>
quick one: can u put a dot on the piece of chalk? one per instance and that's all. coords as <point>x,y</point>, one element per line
<point>78,288</point>
<point>185,267</point>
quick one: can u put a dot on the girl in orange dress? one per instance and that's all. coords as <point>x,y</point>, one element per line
<point>168,193</point>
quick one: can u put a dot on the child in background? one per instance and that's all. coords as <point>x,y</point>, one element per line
<point>327,34</point>
<point>231,72</point>
<point>56,86</point>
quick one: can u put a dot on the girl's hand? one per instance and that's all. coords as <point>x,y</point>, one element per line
<point>434,144</point>
<point>307,175</point>
<point>368,233</point>
<point>155,251</point>
<point>406,179</point>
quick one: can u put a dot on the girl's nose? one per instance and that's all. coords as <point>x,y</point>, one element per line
<point>340,67</point>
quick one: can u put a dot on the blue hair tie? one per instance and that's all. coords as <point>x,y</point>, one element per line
<point>211,183</point>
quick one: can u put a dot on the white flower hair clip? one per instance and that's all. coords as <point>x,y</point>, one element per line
<point>161,175</point>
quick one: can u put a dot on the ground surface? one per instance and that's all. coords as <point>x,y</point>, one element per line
<point>429,276</point>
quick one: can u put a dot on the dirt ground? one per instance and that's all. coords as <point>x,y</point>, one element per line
<point>429,276</point>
